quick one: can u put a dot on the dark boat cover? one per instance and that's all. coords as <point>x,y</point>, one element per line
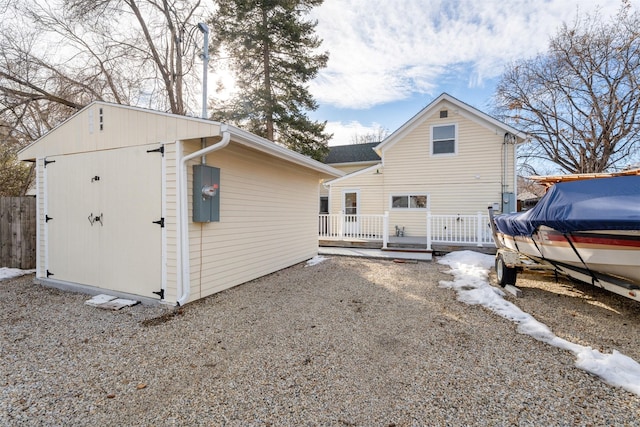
<point>592,204</point>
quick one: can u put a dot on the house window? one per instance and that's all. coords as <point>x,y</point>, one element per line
<point>324,205</point>
<point>443,139</point>
<point>351,203</point>
<point>409,201</point>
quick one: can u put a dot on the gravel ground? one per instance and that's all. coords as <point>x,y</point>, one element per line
<point>348,342</point>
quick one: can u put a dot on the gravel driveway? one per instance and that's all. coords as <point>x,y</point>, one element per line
<point>347,342</point>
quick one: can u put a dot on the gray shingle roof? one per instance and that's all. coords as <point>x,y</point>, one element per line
<point>352,153</point>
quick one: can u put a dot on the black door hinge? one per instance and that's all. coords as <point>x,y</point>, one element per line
<point>46,162</point>
<point>157,150</point>
<point>160,293</point>
<point>47,218</point>
<point>49,274</point>
<point>160,222</point>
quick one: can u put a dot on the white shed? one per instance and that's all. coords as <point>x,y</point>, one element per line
<point>117,211</point>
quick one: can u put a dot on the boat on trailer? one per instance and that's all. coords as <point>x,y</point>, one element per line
<point>587,229</point>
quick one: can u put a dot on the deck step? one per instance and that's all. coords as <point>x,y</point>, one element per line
<point>407,246</point>
<point>367,244</point>
<point>422,250</point>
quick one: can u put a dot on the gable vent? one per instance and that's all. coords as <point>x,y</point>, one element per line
<point>444,114</point>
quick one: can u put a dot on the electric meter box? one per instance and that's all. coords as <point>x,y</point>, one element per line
<point>206,193</point>
<point>509,203</point>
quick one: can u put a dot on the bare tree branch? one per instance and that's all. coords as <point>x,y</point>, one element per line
<point>579,101</point>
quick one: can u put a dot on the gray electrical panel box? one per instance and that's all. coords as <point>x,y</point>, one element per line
<point>206,193</point>
<point>509,202</point>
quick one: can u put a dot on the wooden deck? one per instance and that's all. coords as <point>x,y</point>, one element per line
<point>404,244</point>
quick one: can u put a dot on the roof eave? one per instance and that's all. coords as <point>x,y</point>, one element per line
<point>264,145</point>
<point>356,173</point>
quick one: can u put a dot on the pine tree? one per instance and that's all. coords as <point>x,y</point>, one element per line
<point>272,50</point>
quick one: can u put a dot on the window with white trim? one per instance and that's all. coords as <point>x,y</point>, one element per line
<point>443,139</point>
<point>409,201</point>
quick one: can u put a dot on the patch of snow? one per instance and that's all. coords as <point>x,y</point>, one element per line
<point>471,280</point>
<point>316,260</point>
<point>8,273</point>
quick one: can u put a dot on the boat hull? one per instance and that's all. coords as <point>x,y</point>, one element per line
<point>614,253</point>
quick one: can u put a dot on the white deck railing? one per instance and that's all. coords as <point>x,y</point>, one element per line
<point>443,229</point>
<point>459,229</point>
<point>365,227</point>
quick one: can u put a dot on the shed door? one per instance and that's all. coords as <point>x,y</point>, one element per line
<point>103,206</point>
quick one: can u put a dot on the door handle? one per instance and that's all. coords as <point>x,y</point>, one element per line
<point>95,218</point>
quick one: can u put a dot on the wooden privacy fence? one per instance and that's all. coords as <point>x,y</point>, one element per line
<point>18,232</point>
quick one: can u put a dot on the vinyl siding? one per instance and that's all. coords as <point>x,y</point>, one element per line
<point>41,235</point>
<point>122,127</point>
<point>170,222</point>
<point>346,169</point>
<point>368,184</point>
<point>269,206</point>
<point>268,220</point>
<point>463,183</point>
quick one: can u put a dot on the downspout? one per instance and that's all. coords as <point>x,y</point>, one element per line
<point>503,179</point>
<point>509,139</point>
<point>184,281</point>
<point>515,173</point>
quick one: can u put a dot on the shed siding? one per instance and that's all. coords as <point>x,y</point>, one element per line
<point>122,127</point>
<point>266,224</point>
<point>268,205</point>
<point>40,219</point>
<point>170,222</point>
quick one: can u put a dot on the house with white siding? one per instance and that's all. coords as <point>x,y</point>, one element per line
<point>348,158</point>
<point>161,207</point>
<point>450,159</point>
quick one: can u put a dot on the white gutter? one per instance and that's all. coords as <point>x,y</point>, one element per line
<point>184,279</point>
<point>41,229</point>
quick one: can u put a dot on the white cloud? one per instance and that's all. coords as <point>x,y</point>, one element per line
<point>383,51</point>
<point>344,132</point>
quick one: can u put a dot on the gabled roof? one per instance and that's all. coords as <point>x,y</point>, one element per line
<point>352,153</point>
<point>198,128</point>
<point>465,110</point>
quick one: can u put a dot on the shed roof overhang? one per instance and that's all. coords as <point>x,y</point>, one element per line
<point>268,147</point>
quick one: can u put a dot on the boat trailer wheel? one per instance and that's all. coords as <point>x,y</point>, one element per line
<point>505,275</point>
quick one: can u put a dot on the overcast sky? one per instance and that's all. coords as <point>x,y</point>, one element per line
<point>390,58</point>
